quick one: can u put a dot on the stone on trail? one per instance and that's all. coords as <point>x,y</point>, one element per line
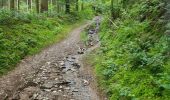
<point>75,90</point>
<point>63,83</point>
<point>77,65</point>
<point>67,88</point>
<point>70,59</point>
<point>27,93</point>
<point>81,51</point>
<point>73,57</point>
<point>47,86</point>
<point>35,95</point>
<point>48,63</point>
<point>85,82</point>
<point>60,87</point>
<point>73,69</point>
<point>61,63</point>
<point>47,90</point>
<point>54,92</point>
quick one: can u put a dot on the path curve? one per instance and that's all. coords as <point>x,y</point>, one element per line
<point>50,75</point>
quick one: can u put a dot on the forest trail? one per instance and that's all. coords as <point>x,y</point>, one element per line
<point>56,73</point>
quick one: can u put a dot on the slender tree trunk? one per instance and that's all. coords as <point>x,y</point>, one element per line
<point>112,10</point>
<point>77,5</point>
<point>1,3</point>
<point>12,4</point>
<point>82,5</point>
<point>18,5</point>
<point>29,4</point>
<point>8,4</point>
<point>51,5</point>
<point>54,4</point>
<point>58,6</point>
<point>37,6</point>
<point>67,6</point>
<point>44,5</point>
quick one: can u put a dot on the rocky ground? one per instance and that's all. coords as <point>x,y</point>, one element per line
<point>57,73</point>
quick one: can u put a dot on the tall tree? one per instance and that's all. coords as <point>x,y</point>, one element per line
<point>54,4</point>
<point>58,6</point>
<point>67,5</point>
<point>77,5</point>
<point>29,3</point>
<point>12,4</point>
<point>44,5</point>
<point>112,10</point>
<point>1,3</point>
<point>18,4</point>
<point>37,2</point>
<point>82,5</point>
<point>51,5</point>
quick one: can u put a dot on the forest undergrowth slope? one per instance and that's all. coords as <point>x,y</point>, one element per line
<point>133,62</point>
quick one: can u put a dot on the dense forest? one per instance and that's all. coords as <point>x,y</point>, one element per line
<point>133,59</point>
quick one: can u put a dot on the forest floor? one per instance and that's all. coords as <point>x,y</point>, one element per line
<point>57,73</point>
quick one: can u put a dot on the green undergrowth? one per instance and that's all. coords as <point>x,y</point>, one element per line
<point>133,62</point>
<point>23,34</point>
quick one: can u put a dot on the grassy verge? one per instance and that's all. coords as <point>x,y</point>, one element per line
<point>59,37</point>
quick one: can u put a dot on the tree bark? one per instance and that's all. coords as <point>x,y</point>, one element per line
<point>54,4</point>
<point>29,4</point>
<point>82,5</point>
<point>112,10</point>
<point>18,4</point>
<point>67,6</point>
<point>37,6</point>
<point>44,5</point>
<point>51,5</point>
<point>77,5</point>
<point>12,4</point>
<point>58,6</point>
<point>1,3</point>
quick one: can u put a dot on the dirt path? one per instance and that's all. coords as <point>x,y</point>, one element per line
<point>54,74</point>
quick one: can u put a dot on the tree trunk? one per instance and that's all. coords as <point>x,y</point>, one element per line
<point>37,6</point>
<point>82,5</point>
<point>67,6</point>
<point>58,6</point>
<point>54,4</point>
<point>12,4</point>
<point>44,5</point>
<point>4,4</point>
<point>29,4</point>
<point>112,10</point>
<point>1,3</point>
<point>77,5</point>
<point>18,4</point>
<point>51,5</point>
